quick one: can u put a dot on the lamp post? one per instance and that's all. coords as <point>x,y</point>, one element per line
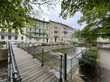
<point>43,42</point>
<point>42,64</point>
<point>65,67</point>
<point>61,58</point>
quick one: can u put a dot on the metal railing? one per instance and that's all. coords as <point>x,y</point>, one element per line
<point>13,72</point>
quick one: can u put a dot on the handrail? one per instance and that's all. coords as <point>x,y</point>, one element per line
<point>13,75</point>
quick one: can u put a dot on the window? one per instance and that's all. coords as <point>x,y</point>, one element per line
<point>22,38</point>
<point>62,39</point>
<point>9,37</point>
<point>47,39</point>
<point>55,38</point>
<point>30,29</point>
<point>16,37</point>
<point>55,31</point>
<point>39,32</point>
<point>56,27</point>
<point>65,32</point>
<point>2,37</point>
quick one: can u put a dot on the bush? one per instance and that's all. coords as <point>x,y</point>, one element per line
<point>88,64</point>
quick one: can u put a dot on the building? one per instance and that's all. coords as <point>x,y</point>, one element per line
<point>42,32</point>
<point>12,36</point>
<point>58,33</point>
<point>49,32</point>
<point>37,34</point>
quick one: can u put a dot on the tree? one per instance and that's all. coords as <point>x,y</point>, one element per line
<point>88,64</point>
<point>86,36</point>
<point>96,14</point>
<point>15,14</point>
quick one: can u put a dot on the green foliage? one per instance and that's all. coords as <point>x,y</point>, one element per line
<point>88,64</point>
<point>96,14</point>
<point>13,14</point>
<point>77,34</point>
<point>2,43</point>
<point>89,57</point>
<point>86,36</point>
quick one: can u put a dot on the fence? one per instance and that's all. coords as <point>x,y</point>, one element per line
<point>13,72</point>
<point>63,65</point>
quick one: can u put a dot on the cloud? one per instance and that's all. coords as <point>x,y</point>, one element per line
<point>70,21</point>
<point>52,12</point>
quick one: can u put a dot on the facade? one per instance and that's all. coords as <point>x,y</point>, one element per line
<point>43,32</point>
<point>59,33</point>
<point>12,36</point>
<point>38,33</point>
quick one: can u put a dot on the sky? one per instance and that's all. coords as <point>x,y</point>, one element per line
<point>51,12</point>
<point>69,21</point>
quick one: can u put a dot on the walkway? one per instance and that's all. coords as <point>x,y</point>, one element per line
<point>104,56</point>
<point>30,69</point>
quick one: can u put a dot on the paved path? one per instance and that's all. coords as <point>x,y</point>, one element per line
<point>104,55</point>
<point>30,69</point>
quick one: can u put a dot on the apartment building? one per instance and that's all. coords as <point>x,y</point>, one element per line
<point>38,33</point>
<point>58,32</point>
<point>49,32</point>
<point>42,32</point>
<point>12,36</point>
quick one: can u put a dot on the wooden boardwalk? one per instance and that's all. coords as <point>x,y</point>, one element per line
<point>30,69</point>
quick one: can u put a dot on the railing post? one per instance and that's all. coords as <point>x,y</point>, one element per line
<point>14,75</point>
<point>65,67</point>
<point>61,58</point>
<point>42,64</point>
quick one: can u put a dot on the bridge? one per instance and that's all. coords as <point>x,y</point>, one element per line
<point>23,68</point>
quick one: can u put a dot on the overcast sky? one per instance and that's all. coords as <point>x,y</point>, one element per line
<point>52,13</point>
<point>69,21</point>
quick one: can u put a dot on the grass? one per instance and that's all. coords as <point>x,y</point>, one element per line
<point>62,50</point>
<point>49,59</point>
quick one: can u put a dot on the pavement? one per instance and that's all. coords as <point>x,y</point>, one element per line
<point>104,59</point>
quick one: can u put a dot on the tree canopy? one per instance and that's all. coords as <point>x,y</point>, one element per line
<point>96,14</point>
<point>16,14</point>
<point>13,14</point>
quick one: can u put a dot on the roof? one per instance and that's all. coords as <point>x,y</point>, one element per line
<point>62,24</point>
<point>36,19</point>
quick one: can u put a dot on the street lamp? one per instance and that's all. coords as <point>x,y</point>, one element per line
<point>61,58</point>
<point>65,67</point>
<point>42,64</point>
